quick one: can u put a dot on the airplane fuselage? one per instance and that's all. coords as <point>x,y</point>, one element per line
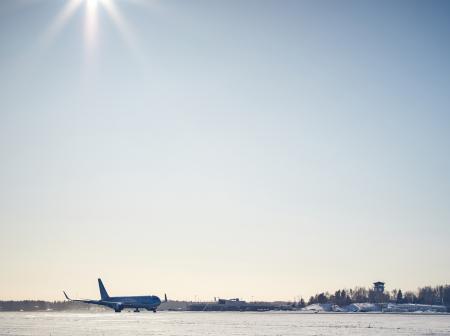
<point>136,302</point>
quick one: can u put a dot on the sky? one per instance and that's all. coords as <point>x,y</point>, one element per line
<point>255,149</point>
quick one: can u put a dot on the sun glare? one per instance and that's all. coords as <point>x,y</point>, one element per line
<point>92,3</point>
<point>91,25</point>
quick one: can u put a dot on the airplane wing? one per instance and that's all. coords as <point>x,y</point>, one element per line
<point>74,300</point>
<point>112,303</point>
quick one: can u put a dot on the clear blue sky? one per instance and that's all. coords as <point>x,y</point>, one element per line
<point>262,149</point>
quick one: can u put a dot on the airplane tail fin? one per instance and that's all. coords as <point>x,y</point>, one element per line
<point>103,293</point>
<point>165,297</point>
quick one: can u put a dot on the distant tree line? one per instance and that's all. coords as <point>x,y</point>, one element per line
<point>439,295</point>
<point>39,305</point>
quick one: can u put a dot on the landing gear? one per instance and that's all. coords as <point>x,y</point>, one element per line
<point>154,310</point>
<point>136,310</point>
<point>117,310</point>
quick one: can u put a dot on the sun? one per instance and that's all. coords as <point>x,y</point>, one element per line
<point>92,3</point>
<point>91,21</point>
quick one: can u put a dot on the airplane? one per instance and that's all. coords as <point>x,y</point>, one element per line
<point>118,303</point>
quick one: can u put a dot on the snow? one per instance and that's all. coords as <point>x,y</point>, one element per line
<point>410,307</point>
<point>318,307</point>
<point>221,323</point>
<point>354,307</point>
<point>373,307</point>
<point>362,307</point>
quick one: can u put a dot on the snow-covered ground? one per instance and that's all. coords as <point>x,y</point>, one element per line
<point>410,307</point>
<point>220,324</point>
<point>372,307</point>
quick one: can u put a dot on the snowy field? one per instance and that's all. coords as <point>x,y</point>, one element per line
<point>221,323</point>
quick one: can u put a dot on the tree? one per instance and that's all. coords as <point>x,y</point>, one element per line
<point>372,296</point>
<point>359,294</point>
<point>345,298</point>
<point>301,304</point>
<point>426,295</point>
<point>399,296</point>
<point>446,295</point>
<point>393,296</point>
<point>409,297</point>
<point>322,298</point>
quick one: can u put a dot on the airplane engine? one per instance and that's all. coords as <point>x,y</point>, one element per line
<point>118,307</point>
